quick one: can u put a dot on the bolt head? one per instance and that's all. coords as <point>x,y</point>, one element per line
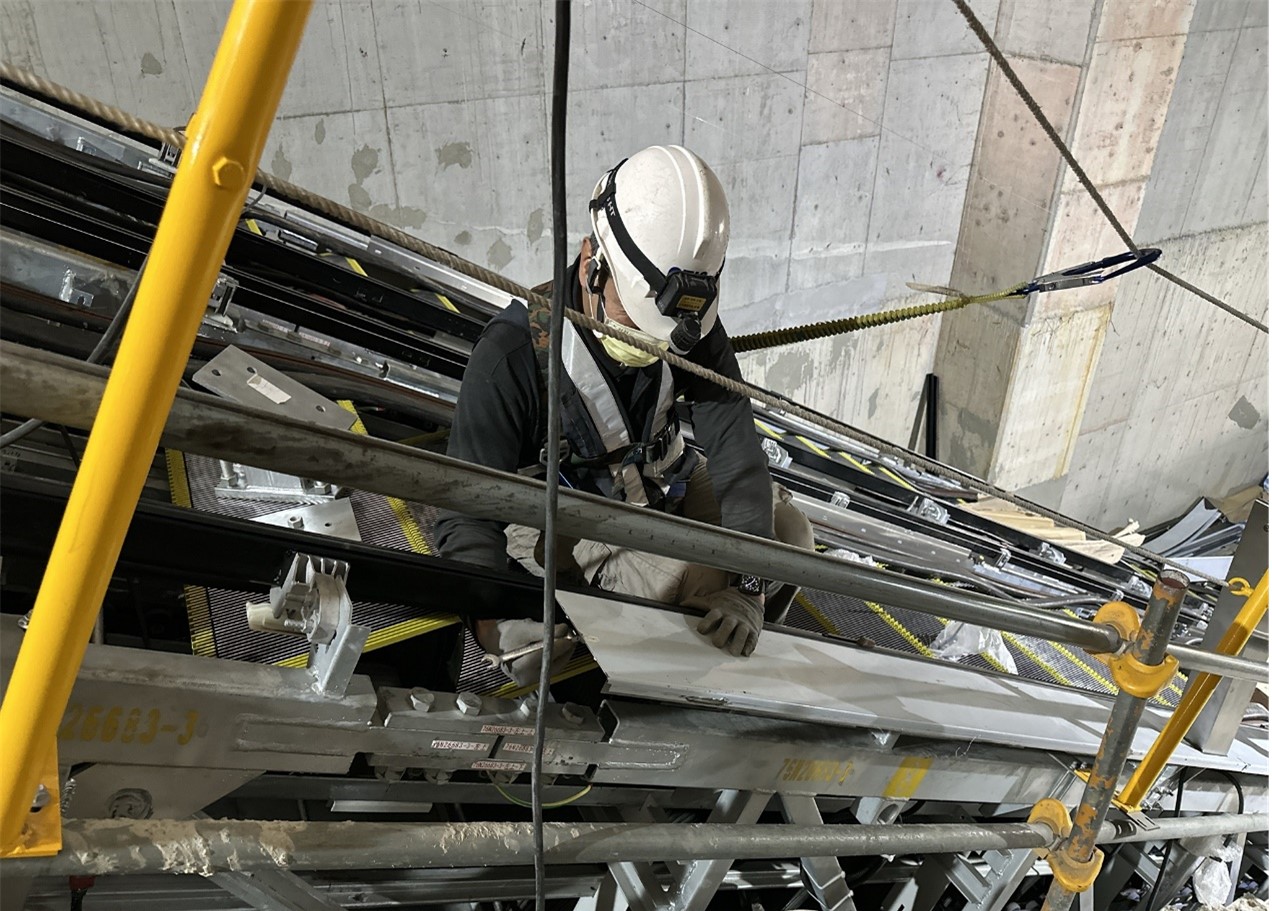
<point>42,798</point>
<point>228,174</point>
<point>469,703</point>
<point>421,700</point>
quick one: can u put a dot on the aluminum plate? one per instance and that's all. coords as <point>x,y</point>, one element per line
<point>653,654</point>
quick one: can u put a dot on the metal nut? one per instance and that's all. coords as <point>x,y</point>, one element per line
<point>469,703</point>
<point>572,714</point>
<point>228,174</point>
<point>421,700</point>
<point>296,521</point>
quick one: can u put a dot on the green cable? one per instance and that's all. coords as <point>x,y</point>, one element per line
<point>547,806</point>
<point>788,336</point>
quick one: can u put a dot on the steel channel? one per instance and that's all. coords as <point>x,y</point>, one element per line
<point>46,385</point>
<point>1149,647</point>
<point>206,846</point>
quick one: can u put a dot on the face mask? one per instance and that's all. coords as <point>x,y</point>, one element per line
<point>626,354</point>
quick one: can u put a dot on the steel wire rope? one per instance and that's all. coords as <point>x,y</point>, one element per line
<point>996,55</point>
<point>552,448</point>
<point>335,210</point>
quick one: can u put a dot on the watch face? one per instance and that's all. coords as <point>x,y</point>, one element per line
<point>750,585</point>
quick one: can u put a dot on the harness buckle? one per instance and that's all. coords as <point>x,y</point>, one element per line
<point>563,447</point>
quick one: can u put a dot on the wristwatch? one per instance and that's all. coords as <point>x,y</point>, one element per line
<point>750,585</point>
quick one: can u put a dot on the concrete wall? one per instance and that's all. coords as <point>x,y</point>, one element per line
<point>1179,399</point>
<point>863,144</point>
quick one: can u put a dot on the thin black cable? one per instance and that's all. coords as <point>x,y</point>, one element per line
<point>70,447</point>
<point>552,449</point>
<point>988,42</point>
<point>102,350</point>
<point>1240,790</point>
<point>1161,870</point>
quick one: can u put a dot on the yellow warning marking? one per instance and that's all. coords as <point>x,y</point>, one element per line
<point>896,477</point>
<point>915,642</point>
<point>857,463</point>
<point>198,610</point>
<point>767,429</point>
<point>254,227</point>
<point>447,304</point>
<point>813,446</point>
<point>802,600</point>
<point>908,777</point>
<point>410,529</point>
<point>356,266</point>
<point>1037,659</point>
<point>579,665</point>
<point>390,635</point>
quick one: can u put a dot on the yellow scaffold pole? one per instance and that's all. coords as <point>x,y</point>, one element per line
<point>226,138</point>
<point>1195,698</point>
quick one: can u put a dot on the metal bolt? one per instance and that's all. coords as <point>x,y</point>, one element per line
<point>469,703</point>
<point>228,174</point>
<point>296,521</point>
<point>42,798</point>
<point>421,699</point>
<point>130,803</point>
<point>572,714</point>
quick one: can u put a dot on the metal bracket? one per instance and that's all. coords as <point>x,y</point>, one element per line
<point>312,601</point>
<point>777,456</point>
<point>244,482</point>
<point>927,508</point>
<point>1051,554</point>
<point>71,294</point>
<point>219,302</point>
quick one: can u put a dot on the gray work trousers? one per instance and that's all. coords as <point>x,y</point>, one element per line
<point>666,579</point>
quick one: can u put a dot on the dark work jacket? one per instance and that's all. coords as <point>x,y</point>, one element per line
<point>499,422</point>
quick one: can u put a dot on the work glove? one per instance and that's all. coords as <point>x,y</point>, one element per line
<point>733,620</point>
<point>509,635</point>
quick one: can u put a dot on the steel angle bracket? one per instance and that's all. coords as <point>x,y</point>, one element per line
<point>1075,875</point>
<point>1144,681</point>
<point>41,834</point>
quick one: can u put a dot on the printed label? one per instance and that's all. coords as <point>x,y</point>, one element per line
<point>457,745</point>
<point>519,747</point>
<point>495,765</point>
<point>828,771</point>
<point>510,730</point>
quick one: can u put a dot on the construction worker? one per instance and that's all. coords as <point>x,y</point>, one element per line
<point>660,227</point>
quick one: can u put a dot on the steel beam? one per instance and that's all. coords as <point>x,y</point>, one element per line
<point>115,846</point>
<point>65,391</point>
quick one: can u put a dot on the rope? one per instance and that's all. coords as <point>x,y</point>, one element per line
<point>105,112</point>
<point>792,334</point>
<point>997,55</point>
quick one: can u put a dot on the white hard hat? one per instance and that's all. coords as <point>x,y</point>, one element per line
<point>662,224</point>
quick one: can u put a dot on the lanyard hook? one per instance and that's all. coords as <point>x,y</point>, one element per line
<point>1094,272</point>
